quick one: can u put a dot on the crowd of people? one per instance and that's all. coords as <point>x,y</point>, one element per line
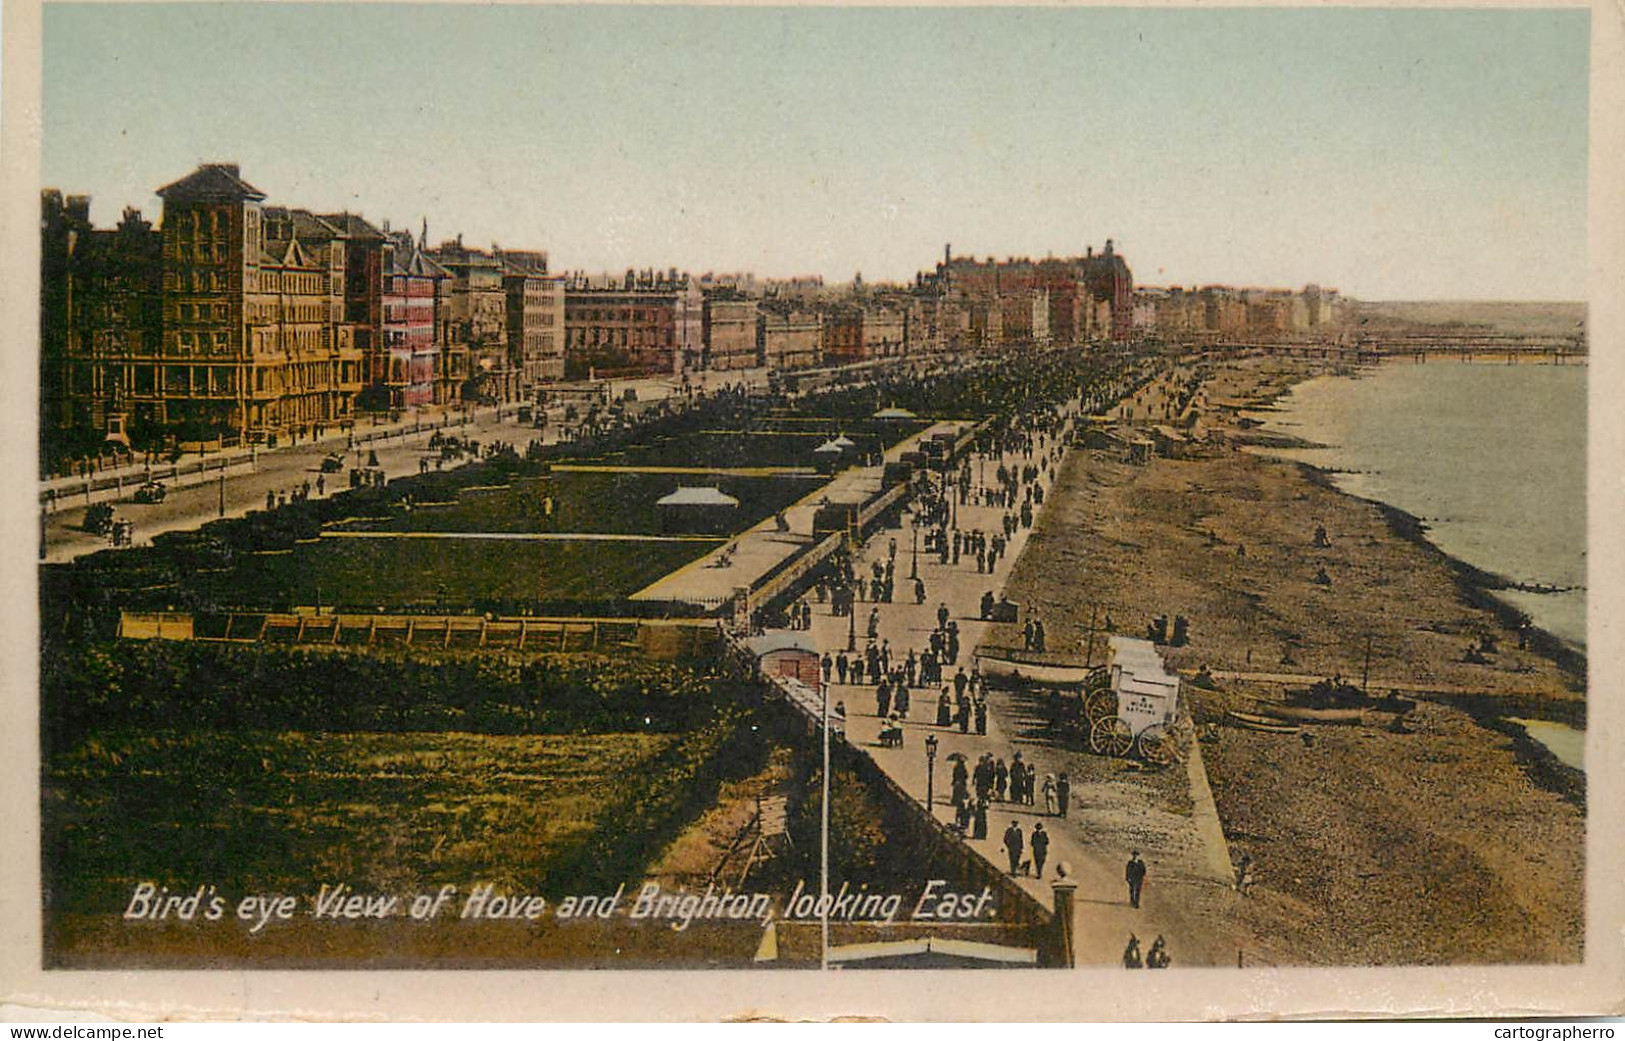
<point>1018,462</point>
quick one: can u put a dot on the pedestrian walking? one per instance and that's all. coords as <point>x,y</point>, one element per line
<point>828,666</point>
<point>981,717</point>
<point>1040,844</point>
<point>961,782</point>
<point>841,666</point>
<point>1063,793</point>
<point>1134,875</point>
<point>979,820</point>
<point>1049,794</point>
<point>1014,845</point>
<point>945,709</point>
<point>1001,779</point>
<point>1018,775</point>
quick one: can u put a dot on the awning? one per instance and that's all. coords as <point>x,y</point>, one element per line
<point>685,496</point>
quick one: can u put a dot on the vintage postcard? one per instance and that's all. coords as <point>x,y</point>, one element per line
<point>795,495</point>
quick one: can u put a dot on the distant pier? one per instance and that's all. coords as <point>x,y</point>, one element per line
<point>1477,348</point>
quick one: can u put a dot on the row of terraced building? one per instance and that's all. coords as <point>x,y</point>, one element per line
<point>249,321</point>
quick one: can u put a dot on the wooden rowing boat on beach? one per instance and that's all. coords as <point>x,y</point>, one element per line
<point>1300,714</point>
<point>1263,724</point>
<point>1008,670</point>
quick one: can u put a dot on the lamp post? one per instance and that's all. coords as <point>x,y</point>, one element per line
<point>852,624</point>
<point>914,561</point>
<point>222,487</point>
<point>823,874</point>
<point>930,773</point>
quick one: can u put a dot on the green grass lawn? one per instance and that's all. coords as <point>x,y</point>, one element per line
<point>367,573</point>
<point>598,503</point>
<point>264,812</point>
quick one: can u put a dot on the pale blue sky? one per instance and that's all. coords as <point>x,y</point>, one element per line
<point>1423,153</point>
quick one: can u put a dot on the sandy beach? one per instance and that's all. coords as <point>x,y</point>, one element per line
<point>1458,841</point>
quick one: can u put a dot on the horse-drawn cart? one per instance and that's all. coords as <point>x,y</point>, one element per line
<point>151,492</point>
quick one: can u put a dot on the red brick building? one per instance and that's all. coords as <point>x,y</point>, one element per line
<point>412,286</point>
<point>644,324</point>
<point>842,335</point>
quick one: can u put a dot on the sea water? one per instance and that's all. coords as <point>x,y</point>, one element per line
<point>1492,458</point>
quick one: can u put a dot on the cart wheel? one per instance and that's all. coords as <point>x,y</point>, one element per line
<point>1159,746</point>
<point>1099,679</point>
<point>1099,705</point>
<point>1111,737</point>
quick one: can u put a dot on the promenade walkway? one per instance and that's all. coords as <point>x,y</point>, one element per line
<point>1104,918</point>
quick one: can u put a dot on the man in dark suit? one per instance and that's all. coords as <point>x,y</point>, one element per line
<point>1014,843</point>
<point>1040,849</point>
<point>1134,874</point>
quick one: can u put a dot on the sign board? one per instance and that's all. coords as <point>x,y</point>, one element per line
<point>1140,710</point>
<point>1144,701</point>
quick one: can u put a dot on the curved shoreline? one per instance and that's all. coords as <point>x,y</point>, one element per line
<point>1476,585</point>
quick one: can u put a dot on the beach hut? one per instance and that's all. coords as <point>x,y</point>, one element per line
<point>894,415</point>
<point>697,510</point>
<point>787,655</point>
